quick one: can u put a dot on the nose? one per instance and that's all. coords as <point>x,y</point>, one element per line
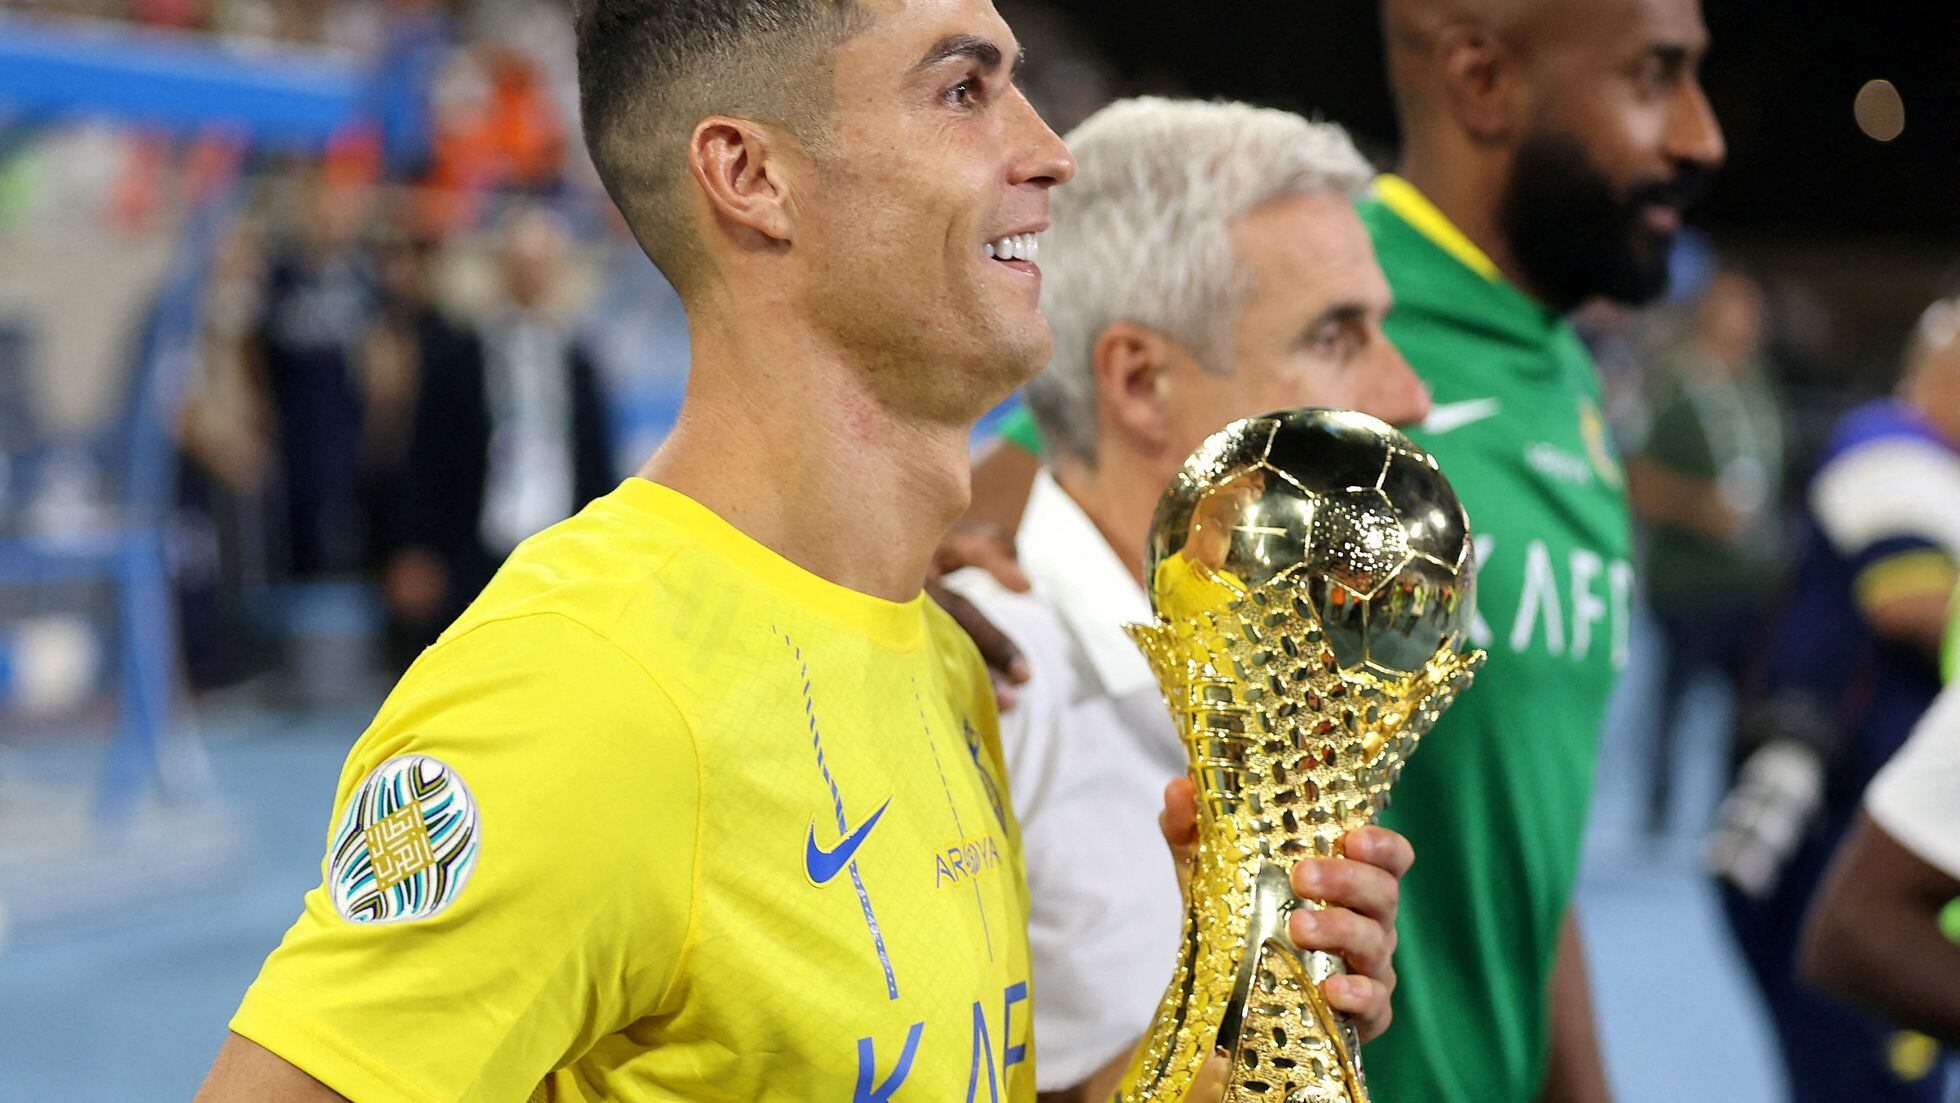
<point>1694,133</point>
<point>1401,398</point>
<point>1046,162</point>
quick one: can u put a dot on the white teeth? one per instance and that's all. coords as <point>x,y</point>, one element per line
<point>1015,247</point>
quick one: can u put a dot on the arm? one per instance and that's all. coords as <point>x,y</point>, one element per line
<point>1576,1072</point>
<point>990,548</point>
<point>1893,509</point>
<point>247,1072</point>
<point>1873,934</point>
<point>478,734</point>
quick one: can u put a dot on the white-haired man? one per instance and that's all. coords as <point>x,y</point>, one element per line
<point>1207,264</point>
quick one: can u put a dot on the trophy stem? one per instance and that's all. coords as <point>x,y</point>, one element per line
<point>1290,753</point>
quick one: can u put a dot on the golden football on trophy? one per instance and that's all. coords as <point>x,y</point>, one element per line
<point>1311,574</point>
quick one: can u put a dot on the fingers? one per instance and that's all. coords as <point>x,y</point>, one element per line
<point>1005,663</point>
<point>1381,848</point>
<point>1179,823</point>
<point>1210,1083</point>
<point>1365,944</point>
<point>1364,1000</point>
<point>983,545</point>
<point>1345,883</point>
<point>1179,819</point>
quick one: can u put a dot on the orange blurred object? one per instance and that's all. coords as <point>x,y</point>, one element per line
<point>510,137</point>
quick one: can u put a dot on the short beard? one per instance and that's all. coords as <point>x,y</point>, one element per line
<point>1574,236</point>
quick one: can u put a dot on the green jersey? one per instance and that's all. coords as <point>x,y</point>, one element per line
<point>1495,801</point>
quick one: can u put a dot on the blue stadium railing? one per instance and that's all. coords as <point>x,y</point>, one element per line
<point>52,72</point>
<point>127,549</point>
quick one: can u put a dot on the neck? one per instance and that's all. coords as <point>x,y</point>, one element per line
<point>778,436</point>
<point>1121,507</point>
<point>1467,186</point>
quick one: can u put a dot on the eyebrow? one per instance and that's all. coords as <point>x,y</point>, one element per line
<point>981,51</point>
<point>1672,55</point>
<point>1339,312</point>
<point>1675,53</point>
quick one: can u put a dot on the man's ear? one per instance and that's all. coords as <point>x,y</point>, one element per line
<point>1482,88</point>
<point>1133,381</point>
<point>742,170</point>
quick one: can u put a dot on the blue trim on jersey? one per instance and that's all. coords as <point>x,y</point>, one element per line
<point>1884,419</point>
<point>986,779</point>
<point>1885,548</point>
<point>979,901</point>
<point>843,828</point>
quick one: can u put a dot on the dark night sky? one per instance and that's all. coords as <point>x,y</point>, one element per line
<point>1782,76</point>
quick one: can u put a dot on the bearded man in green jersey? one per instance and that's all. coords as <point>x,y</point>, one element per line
<point>1549,150</point>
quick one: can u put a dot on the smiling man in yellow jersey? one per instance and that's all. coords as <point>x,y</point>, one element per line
<point>700,800</point>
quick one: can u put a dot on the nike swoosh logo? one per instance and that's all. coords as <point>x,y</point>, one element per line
<point>1451,416</point>
<point>821,864</point>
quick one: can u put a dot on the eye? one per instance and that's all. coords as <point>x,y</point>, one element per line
<point>964,93</point>
<point>1334,341</point>
<point>1655,75</point>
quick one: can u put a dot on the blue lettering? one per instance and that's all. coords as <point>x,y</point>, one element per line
<point>940,870</point>
<point>1012,1055</point>
<point>868,1068</point>
<point>983,1044</point>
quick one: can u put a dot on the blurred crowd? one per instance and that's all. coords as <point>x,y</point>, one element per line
<point>420,344</point>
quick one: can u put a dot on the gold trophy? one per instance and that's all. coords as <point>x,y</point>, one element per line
<point>1311,571</point>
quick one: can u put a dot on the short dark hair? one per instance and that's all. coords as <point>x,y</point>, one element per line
<point>648,70</point>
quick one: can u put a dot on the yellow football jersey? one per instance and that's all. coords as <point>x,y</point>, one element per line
<point>666,817</point>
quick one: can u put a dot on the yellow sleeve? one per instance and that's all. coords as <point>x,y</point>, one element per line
<point>509,875</point>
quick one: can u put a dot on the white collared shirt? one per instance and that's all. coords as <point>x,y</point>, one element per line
<point>529,483</point>
<point>1090,747</point>
<point>1916,797</point>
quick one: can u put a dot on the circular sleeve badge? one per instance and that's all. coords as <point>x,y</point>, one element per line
<point>406,843</point>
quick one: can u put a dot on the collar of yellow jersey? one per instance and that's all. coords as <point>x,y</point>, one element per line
<point>1414,208</point>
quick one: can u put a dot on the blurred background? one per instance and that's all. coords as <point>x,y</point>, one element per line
<point>273,271</point>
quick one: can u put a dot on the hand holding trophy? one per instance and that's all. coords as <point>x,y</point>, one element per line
<point>1311,571</point>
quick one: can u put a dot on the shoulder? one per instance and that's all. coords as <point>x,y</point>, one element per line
<point>1912,798</point>
<point>539,684</point>
<point>555,737</point>
<point>588,569</point>
<point>1883,479</point>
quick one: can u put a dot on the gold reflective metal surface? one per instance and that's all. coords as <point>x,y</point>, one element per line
<point>1311,572</point>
